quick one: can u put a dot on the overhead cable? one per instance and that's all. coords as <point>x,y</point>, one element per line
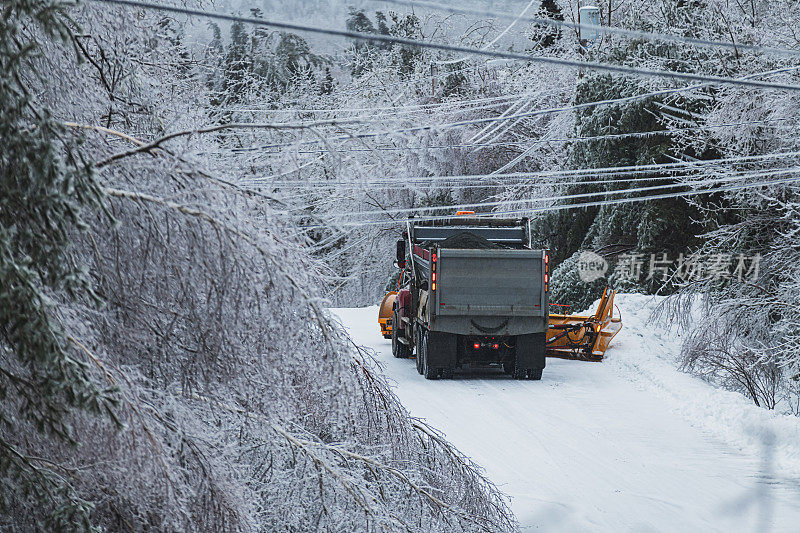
<point>380,38</point>
<point>621,169</point>
<point>485,120</point>
<point>526,144</point>
<point>563,207</point>
<point>462,10</point>
<point>518,183</point>
<point>650,188</point>
<point>497,37</point>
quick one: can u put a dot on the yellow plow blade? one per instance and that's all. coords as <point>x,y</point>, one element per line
<point>385,314</point>
<point>581,336</point>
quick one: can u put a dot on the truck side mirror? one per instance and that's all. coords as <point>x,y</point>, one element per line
<point>401,253</point>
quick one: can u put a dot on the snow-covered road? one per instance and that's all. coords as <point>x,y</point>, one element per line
<point>629,444</point>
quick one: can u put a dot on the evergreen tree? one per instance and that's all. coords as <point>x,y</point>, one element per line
<point>383,28</point>
<point>294,55</point>
<point>214,55</point>
<point>261,54</point>
<point>357,21</point>
<point>454,83</point>
<point>546,35</point>
<point>405,57</point>
<point>45,185</point>
<point>655,227</point>
<point>327,83</point>
<point>172,31</point>
<point>238,65</point>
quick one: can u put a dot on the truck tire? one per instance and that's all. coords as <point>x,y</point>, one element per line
<point>418,344</point>
<point>427,370</point>
<point>395,343</point>
<point>399,350</point>
<point>530,356</point>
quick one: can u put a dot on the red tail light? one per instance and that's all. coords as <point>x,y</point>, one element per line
<point>496,346</point>
<point>477,346</point>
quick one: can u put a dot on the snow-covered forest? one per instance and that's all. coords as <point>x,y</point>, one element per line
<point>183,196</point>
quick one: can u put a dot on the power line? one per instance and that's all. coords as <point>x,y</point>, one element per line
<point>563,207</point>
<point>379,38</point>
<point>608,136</point>
<point>397,113</point>
<point>461,10</point>
<point>651,188</point>
<point>679,166</point>
<point>514,182</point>
<point>497,38</point>
<point>665,171</point>
<point>485,120</point>
<point>465,105</point>
<point>517,107</point>
<point>498,100</point>
<point>497,184</point>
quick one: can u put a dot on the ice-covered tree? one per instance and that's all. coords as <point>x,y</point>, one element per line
<point>241,404</point>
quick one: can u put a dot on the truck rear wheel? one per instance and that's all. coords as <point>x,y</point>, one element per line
<point>399,349</point>
<point>418,344</point>
<point>529,356</point>
<point>427,370</point>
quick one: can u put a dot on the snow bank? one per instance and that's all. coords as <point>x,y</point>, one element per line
<point>647,353</point>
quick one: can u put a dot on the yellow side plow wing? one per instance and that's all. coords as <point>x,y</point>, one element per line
<point>584,337</point>
<point>385,314</point>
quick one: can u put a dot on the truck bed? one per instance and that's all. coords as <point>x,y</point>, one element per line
<point>490,283</point>
<point>488,292</point>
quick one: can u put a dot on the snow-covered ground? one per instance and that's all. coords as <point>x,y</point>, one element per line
<point>629,444</point>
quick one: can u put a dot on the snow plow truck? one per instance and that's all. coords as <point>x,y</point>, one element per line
<point>472,292</point>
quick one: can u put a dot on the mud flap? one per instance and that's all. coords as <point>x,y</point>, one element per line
<point>442,349</point>
<point>530,351</point>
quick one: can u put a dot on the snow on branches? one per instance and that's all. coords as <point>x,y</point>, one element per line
<point>239,403</point>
